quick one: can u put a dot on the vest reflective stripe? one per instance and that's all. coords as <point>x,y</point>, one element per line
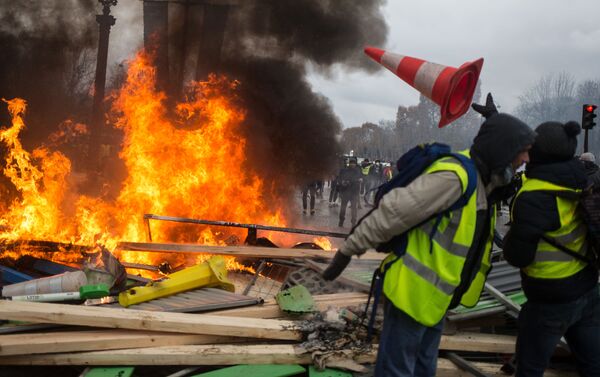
<point>445,238</point>
<point>365,170</point>
<point>422,282</point>
<point>577,233</point>
<point>549,261</point>
<point>427,274</point>
<point>552,256</point>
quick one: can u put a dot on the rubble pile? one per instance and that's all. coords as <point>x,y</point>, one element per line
<point>285,316</point>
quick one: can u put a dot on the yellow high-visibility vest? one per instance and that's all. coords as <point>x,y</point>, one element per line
<point>550,262</point>
<point>423,281</point>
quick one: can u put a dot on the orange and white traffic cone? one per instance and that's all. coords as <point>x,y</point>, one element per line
<point>451,88</point>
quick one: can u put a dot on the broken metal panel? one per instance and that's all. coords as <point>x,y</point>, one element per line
<point>199,300</point>
<point>11,276</point>
<point>357,275</point>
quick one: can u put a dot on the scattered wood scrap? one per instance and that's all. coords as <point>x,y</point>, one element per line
<point>215,354</point>
<point>174,355</point>
<point>478,342</point>
<point>96,340</point>
<point>146,320</point>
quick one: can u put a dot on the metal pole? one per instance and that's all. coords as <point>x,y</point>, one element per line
<point>150,216</point>
<point>105,21</point>
<point>510,304</point>
<point>514,307</point>
<point>585,141</point>
<point>149,232</point>
<point>464,365</point>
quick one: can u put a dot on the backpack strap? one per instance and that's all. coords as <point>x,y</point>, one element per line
<point>471,171</point>
<point>375,292</point>
<point>469,166</point>
<point>568,251</point>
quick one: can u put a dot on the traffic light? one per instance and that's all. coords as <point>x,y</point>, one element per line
<point>587,119</point>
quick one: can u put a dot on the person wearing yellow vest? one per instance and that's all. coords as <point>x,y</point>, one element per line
<point>561,290</point>
<point>436,274</point>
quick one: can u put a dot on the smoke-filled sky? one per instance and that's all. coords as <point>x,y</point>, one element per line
<point>519,40</point>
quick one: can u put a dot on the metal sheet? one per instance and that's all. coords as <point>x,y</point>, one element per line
<point>198,300</point>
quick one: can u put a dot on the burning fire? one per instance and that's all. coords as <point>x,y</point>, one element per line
<point>191,163</point>
<point>323,243</point>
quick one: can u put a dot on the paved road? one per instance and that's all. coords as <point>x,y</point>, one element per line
<point>325,218</point>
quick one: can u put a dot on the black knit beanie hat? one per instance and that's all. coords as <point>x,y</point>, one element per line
<point>555,142</point>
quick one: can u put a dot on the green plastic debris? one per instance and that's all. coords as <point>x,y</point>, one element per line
<point>296,300</point>
<point>93,291</point>
<point>327,372</point>
<point>109,372</point>
<point>257,370</point>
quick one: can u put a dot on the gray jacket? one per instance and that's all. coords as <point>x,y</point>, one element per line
<point>404,207</point>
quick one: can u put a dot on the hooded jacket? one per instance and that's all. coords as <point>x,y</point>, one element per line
<point>535,213</point>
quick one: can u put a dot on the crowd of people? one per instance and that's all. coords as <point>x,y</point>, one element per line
<point>351,183</point>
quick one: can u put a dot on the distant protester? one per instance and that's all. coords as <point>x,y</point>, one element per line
<point>349,181</point>
<point>591,169</point>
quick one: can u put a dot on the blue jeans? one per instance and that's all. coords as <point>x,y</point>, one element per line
<point>406,347</point>
<point>542,325</point>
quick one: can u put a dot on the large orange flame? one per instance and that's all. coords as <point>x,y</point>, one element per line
<point>190,163</point>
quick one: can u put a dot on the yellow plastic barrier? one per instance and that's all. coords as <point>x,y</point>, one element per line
<point>211,273</point>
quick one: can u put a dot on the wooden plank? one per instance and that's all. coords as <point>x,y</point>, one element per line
<point>224,355</point>
<point>242,251</point>
<point>270,309</point>
<point>71,341</point>
<point>173,355</point>
<point>445,368</point>
<point>478,342</point>
<point>96,340</point>
<point>147,320</point>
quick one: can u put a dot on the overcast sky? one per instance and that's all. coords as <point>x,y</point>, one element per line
<point>520,40</point>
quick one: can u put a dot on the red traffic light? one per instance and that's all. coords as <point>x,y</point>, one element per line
<point>587,118</point>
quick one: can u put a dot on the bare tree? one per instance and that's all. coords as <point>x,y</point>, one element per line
<point>553,97</point>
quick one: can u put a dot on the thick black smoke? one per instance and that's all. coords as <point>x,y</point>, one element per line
<point>324,32</point>
<point>48,51</point>
<point>44,46</point>
<point>268,47</point>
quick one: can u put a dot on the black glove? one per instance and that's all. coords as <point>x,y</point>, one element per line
<point>488,109</point>
<point>338,264</point>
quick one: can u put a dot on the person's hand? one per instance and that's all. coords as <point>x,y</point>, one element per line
<point>338,264</point>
